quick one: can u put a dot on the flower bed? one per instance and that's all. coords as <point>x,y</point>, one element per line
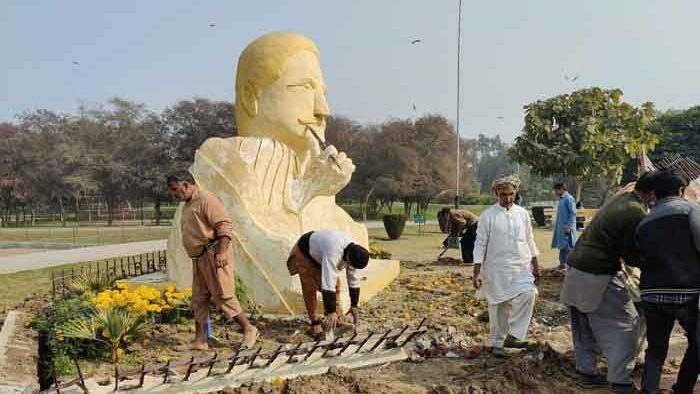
<point>104,328</point>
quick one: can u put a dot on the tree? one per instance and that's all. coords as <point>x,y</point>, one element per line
<point>189,123</point>
<point>586,134</point>
<point>47,178</point>
<point>679,133</point>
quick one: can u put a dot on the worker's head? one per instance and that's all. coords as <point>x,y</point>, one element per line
<point>181,185</point>
<point>280,90</point>
<point>644,187</point>
<point>559,189</point>
<point>356,256</point>
<point>506,189</point>
<point>669,183</point>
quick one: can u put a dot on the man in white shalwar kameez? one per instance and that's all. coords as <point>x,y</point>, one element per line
<point>505,258</point>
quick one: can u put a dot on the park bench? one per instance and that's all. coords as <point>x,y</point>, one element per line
<point>583,217</point>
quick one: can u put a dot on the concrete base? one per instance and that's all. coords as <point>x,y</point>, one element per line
<point>158,280</point>
<point>18,355</point>
<point>241,374</point>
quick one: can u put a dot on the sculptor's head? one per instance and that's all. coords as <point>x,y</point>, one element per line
<point>280,90</point>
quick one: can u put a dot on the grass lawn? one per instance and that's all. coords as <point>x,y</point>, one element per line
<point>426,246</point>
<point>430,214</point>
<point>84,235</point>
<point>412,246</point>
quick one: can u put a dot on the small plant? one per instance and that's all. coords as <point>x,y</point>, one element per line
<point>254,310</point>
<point>90,281</point>
<point>115,327</point>
<point>394,224</point>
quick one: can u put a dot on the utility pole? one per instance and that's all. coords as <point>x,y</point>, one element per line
<point>459,56</point>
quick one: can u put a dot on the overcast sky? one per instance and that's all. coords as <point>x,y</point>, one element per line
<point>514,52</point>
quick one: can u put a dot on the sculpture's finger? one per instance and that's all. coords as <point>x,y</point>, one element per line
<point>314,147</point>
<point>341,157</point>
<point>331,151</point>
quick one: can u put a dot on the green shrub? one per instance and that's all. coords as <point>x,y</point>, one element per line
<point>91,281</point>
<point>394,224</point>
<point>477,199</point>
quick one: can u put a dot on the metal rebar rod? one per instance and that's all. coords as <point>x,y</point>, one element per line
<point>394,338</point>
<point>329,347</point>
<point>116,378</point>
<point>212,362</point>
<point>381,339</point>
<point>293,352</point>
<point>274,356</point>
<point>190,367</point>
<point>165,374</point>
<point>232,363</point>
<point>364,341</point>
<point>80,375</point>
<point>313,349</point>
<point>142,375</point>
<point>255,356</point>
<point>347,344</point>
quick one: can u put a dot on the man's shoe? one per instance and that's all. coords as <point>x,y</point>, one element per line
<point>624,388</point>
<point>515,343</point>
<point>586,381</point>
<point>498,352</point>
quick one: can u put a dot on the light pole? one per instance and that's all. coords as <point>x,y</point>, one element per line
<point>459,55</point>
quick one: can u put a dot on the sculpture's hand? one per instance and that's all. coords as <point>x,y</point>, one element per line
<point>329,170</point>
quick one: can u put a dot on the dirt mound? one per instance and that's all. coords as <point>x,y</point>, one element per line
<point>336,381</point>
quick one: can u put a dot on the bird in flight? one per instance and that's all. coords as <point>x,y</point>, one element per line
<point>499,117</point>
<point>414,107</point>
<point>415,41</point>
<point>570,79</point>
<point>212,25</point>
<point>75,63</point>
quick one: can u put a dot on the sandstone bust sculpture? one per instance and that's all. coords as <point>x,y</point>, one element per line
<point>275,178</point>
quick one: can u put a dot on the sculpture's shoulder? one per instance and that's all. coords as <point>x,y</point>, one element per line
<point>245,149</point>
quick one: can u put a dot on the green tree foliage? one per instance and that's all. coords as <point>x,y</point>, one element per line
<point>679,133</point>
<point>585,134</point>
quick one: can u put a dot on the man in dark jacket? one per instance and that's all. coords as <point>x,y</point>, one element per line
<point>670,280</point>
<point>603,315</point>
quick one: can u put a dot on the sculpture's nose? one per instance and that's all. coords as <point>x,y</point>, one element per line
<point>321,109</point>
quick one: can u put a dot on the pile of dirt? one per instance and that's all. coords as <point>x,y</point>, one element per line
<point>537,370</point>
<point>336,381</point>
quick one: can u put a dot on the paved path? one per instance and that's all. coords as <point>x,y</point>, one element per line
<point>50,258</point>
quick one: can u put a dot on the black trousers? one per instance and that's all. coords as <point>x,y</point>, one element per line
<point>467,245</point>
<point>660,320</point>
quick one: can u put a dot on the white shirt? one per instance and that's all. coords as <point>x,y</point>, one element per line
<point>504,247</point>
<point>327,247</point>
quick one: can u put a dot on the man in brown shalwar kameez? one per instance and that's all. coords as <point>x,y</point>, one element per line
<point>206,236</point>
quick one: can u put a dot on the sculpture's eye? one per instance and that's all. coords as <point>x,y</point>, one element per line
<point>305,85</point>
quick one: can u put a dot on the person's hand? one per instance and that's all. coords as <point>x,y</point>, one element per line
<point>476,280</point>
<point>355,313</point>
<point>535,269</point>
<point>221,259</point>
<point>567,231</point>
<point>332,167</point>
<point>332,321</point>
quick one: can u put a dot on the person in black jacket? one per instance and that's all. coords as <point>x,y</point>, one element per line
<point>670,281</point>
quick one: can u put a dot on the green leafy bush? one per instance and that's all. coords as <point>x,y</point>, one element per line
<point>394,224</point>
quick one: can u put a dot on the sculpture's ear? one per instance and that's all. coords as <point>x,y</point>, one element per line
<point>250,99</point>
